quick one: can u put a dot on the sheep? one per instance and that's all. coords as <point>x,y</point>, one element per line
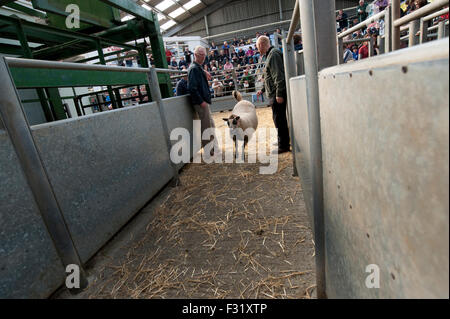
<point>243,118</point>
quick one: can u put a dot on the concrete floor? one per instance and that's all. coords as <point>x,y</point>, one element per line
<point>226,232</point>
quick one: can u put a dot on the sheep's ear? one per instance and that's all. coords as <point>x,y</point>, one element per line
<point>226,120</point>
<point>238,118</point>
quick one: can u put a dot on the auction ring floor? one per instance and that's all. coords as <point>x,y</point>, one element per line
<point>226,232</point>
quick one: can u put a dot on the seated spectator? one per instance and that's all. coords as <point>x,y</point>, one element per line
<point>342,20</point>
<point>214,49</point>
<point>407,7</point>
<point>363,51</point>
<point>182,63</point>
<point>218,88</point>
<point>228,84</point>
<point>381,4</point>
<point>362,11</point>
<point>213,71</point>
<point>222,57</point>
<point>226,49</point>
<point>250,79</point>
<point>211,56</point>
<point>250,52</point>
<point>298,44</point>
<point>188,56</point>
<point>235,59</point>
<point>168,56</point>
<point>182,87</point>
<point>235,42</point>
<point>355,52</point>
<point>228,66</point>
<point>420,4</point>
<point>212,64</point>
<point>173,65</point>
<point>348,54</point>
<point>355,22</point>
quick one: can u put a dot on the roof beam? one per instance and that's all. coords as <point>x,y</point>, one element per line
<point>208,10</point>
<point>132,8</point>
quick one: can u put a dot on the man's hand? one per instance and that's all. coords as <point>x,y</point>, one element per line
<point>280,100</point>
<point>259,93</point>
<point>208,75</point>
<point>204,105</point>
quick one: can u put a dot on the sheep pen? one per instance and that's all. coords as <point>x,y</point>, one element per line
<point>226,232</point>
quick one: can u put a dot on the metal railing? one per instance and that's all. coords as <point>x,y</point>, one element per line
<point>385,14</point>
<point>14,120</point>
<point>416,20</point>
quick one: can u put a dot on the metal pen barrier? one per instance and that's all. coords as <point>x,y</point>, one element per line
<point>18,128</point>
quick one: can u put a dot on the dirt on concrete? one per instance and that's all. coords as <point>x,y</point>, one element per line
<point>226,232</point>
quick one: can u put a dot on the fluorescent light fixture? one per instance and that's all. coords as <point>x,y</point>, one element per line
<point>164,5</point>
<point>177,12</point>
<point>191,4</point>
<point>168,25</point>
<point>161,16</point>
<point>146,7</point>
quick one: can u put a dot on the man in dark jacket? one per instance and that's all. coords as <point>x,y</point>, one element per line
<point>188,56</point>
<point>182,87</point>
<point>275,88</point>
<point>200,93</point>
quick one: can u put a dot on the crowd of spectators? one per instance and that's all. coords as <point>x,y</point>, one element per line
<point>357,51</point>
<point>242,56</point>
<point>239,56</point>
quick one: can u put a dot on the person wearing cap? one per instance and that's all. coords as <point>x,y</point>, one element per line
<point>275,88</point>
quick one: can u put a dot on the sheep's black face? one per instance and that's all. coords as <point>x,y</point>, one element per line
<point>233,121</point>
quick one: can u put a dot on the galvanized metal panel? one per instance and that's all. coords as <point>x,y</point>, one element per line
<point>104,169</point>
<point>301,137</point>
<point>385,132</point>
<point>29,265</point>
<point>180,114</point>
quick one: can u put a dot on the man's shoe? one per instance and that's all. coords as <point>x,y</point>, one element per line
<point>281,151</point>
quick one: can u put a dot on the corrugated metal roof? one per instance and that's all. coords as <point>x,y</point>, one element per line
<point>172,12</point>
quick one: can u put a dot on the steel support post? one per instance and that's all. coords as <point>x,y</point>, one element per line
<point>101,57</point>
<point>395,15</point>
<point>388,30</point>
<point>371,47</point>
<point>423,31</point>
<point>157,97</point>
<point>15,122</point>
<point>414,28</point>
<point>159,54</point>
<point>300,62</point>
<point>290,72</point>
<point>320,50</point>
<point>441,30</point>
<point>27,53</point>
<point>340,50</point>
